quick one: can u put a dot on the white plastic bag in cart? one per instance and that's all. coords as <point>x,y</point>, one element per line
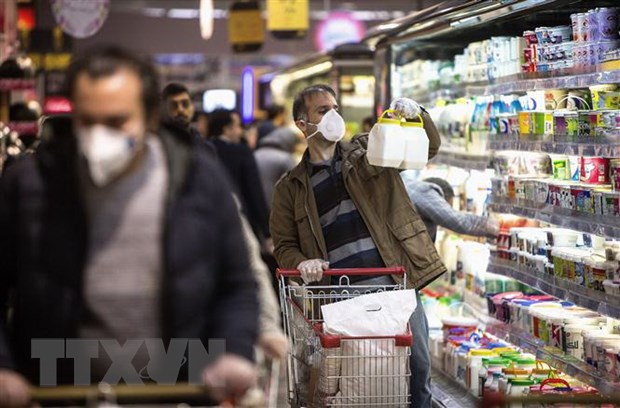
<point>375,314</point>
<point>374,373</point>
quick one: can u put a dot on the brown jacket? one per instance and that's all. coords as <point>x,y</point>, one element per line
<point>380,196</point>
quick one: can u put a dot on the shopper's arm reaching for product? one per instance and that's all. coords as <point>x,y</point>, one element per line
<point>432,206</point>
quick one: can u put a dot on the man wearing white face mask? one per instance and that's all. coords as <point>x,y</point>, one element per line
<point>121,230</point>
<point>335,210</point>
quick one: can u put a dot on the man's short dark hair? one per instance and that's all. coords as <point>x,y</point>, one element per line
<point>218,120</point>
<point>106,61</point>
<point>274,110</point>
<point>173,89</point>
<point>300,110</point>
<point>446,188</point>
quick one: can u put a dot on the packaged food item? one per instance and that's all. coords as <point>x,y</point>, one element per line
<point>614,169</point>
<point>605,97</point>
<point>610,203</point>
<point>559,34</point>
<point>593,34</point>
<point>608,23</point>
<point>565,123</point>
<point>595,170</point>
<point>579,25</point>
<point>582,196</point>
<point>561,167</point>
<point>575,167</point>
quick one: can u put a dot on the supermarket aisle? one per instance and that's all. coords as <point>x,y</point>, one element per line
<point>447,394</point>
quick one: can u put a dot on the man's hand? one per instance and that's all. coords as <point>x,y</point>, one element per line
<point>229,377</point>
<point>274,345</point>
<point>406,108</point>
<point>14,391</point>
<point>312,269</point>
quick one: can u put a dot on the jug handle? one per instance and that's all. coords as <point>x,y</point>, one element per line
<point>421,119</point>
<point>387,111</point>
<point>556,381</point>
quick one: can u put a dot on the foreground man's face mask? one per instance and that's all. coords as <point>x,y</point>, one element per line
<point>331,126</point>
<point>108,152</point>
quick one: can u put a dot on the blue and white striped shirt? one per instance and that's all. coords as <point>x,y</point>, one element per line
<point>348,240</point>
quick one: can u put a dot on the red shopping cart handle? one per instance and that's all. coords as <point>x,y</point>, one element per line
<point>398,270</point>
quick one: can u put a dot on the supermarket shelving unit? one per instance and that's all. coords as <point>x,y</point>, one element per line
<point>554,357</point>
<point>444,30</point>
<point>603,225</point>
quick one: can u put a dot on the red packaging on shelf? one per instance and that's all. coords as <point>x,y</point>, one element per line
<point>595,170</point>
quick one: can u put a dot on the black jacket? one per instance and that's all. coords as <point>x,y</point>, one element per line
<point>241,165</point>
<point>207,289</point>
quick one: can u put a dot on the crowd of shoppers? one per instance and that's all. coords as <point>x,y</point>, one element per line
<point>139,218</point>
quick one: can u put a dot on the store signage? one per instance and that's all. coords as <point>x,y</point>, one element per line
<point>288,19</point>
<point>246,29</point>
<point>339,27</point>
<point>80,18</point>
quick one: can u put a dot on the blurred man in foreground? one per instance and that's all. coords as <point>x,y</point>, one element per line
<point>118,230</point>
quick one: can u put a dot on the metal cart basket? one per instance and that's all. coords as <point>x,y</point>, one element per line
<point>326,370</point>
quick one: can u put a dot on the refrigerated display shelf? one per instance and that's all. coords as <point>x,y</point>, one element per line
<point>462,160</point>
<point>603,225</point>
<point>554,357</point>
<point>601,302</point>
<point>519,85</point>
<point>587,146</point>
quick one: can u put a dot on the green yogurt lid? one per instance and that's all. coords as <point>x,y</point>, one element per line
<point>521,382</point>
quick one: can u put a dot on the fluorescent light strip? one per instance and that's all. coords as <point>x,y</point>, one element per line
<point>183,13</point>
<point>247,95</point>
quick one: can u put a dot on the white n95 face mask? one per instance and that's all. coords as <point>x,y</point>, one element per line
<point>108,152</point>
<point>331,126</point>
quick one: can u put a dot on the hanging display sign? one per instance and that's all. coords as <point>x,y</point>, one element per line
<point>80,18</point>
<point>246,29</point>
<point>288,19</point>
<point>338,28</point>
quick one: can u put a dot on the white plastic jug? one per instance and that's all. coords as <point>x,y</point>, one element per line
<point>416,145</point>
<point>386,142</point>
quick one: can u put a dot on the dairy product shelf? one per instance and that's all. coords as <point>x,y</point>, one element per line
<point>553,356</point>
<point>603,225</point>
<point>462,160</point>
<point>518,84</point>
<point>587,146</point>
<point>603,303</point>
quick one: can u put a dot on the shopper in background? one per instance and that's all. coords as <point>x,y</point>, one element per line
<point>433,198</point>
<point>336,210</point>
<point>179,111</point>
<point>276,117</point>
<point>367,124</point>
<point>121,232</point>
<point>274,157</point>
<point>178,105</point>
<point>226,133</point>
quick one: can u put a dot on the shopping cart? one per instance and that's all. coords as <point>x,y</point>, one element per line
<point>326,370</point>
